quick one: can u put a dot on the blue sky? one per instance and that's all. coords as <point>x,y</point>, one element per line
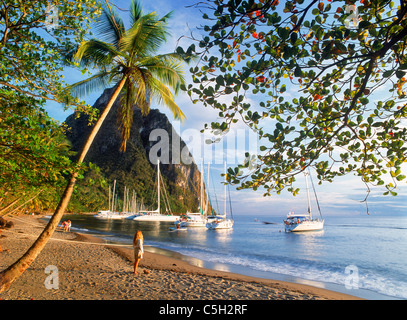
<point>343,196</point>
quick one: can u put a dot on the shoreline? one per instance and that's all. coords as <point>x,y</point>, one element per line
<point>91,270</point>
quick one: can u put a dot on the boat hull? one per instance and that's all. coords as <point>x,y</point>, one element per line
<point>148,217</point>
<point>201,224</point>
<point>111,215</point>
<point>305,226</point>
<point>193,220</point>
<point>223,224</point>
<point>193,224</point>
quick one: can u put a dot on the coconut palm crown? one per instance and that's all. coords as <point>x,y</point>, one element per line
<point>127,59</point>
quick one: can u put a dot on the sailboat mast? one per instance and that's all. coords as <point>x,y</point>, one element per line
<point>134,202</point>
<point>124,200</point>
<point>202,189</point>
<point>113,195</point>
<point>224,205</point>
<point>207,199</point>
<point>110,191</point>
<point>316,197</point>
<point>308,196</point>
<point>158,181</point>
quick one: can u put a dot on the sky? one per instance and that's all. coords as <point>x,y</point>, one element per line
<point>342,197</point>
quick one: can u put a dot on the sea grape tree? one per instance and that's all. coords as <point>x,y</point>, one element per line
<point>322,83</point>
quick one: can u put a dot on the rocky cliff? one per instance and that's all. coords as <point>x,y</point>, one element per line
<point>136,167</point>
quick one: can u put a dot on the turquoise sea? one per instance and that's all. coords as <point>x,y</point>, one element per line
<point>362,255</point>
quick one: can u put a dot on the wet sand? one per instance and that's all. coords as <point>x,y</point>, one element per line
<point>89,270</point>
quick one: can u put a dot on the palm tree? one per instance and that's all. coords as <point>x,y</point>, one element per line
<point>125,58</point>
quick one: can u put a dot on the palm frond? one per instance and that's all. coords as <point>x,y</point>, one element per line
<point>167,68</point>
<point>110,26</point>
<point>164,96</point>
<point>125,113</point>
<point>135,94</point>
<point>95,53</point>
<point>172,56</point>
<point>90,85</point>
<point>167,16</point>
<point>145,36</point>
<point>136,11</point>
<point>140,79</point>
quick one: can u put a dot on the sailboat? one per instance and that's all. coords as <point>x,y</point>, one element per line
<point>155,215</point>
<point>301,223</point>
<point>130,206</point>
<point>111,213</point>
<point>220,221</point>
<point>197,219</point>
<point>106,214</point>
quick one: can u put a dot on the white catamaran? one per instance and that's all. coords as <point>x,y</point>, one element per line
<point>220,221</point>
<point>301,223</point>
<point>155,215</point>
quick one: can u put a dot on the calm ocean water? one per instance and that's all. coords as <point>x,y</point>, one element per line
<point>362,255</point>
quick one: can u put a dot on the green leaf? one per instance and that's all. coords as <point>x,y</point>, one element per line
<point>400,177</point>
<point>297,72</point>
<point>387,73</point>
<point>220,81</point>
<point>400,74</point>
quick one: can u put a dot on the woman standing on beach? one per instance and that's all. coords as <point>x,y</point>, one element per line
<point>138,249</point>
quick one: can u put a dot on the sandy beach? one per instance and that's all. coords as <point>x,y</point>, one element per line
<point>89,270</point>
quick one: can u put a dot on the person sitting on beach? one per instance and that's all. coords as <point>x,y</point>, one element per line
<point>138,249</point>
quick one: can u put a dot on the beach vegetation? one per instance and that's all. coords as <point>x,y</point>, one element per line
<point>123,58</point>
<point>36,40</point>
<point>34,152</point>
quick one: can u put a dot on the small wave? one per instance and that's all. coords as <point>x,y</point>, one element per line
<point>79,229</point>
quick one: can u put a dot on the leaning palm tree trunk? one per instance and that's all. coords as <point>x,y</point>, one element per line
<point>8,276</point>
